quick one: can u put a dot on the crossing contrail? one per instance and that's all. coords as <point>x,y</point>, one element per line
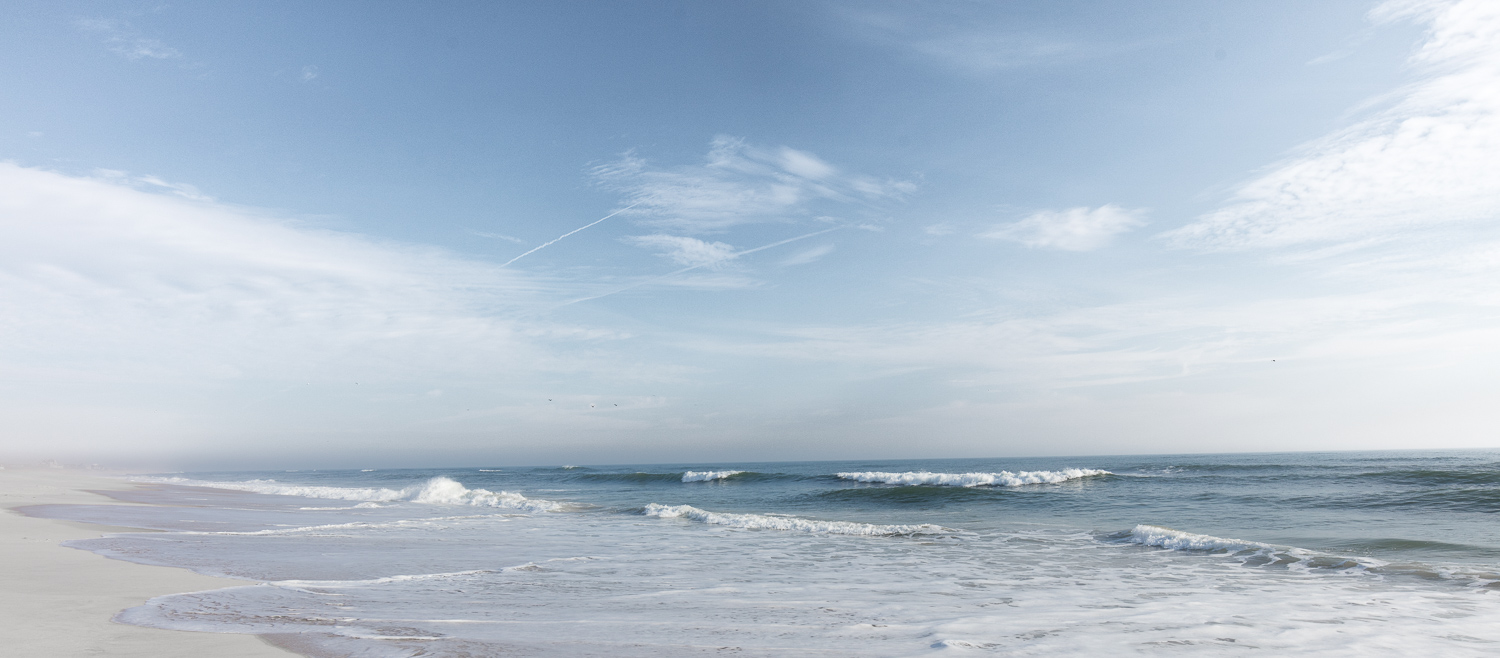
<point>544,244</point>
<point>732,256</point>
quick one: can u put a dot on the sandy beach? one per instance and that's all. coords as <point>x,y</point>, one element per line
<point>59,601</point>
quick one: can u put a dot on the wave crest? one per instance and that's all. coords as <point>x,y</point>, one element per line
<point>1177,540</point>
<point>792,523</point>
<point>1001,479</point>
<point>1251,553</point>
<point>436,491</point>
<point>708,476</point>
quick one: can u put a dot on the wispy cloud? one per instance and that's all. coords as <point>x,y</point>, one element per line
<point>702,255</point>
<point>1074,229</point>
<point>1167,337</point>
<point>153,183</point>
<point>124,39</point>
<point>108,287</point>
<point>309,73</point>
<point>498,236</point>
<point>970,38</point>
<point>1429,161</point>
<point>1357,324</point>
<point>807,255</point>
<point>739,184</point>
<point>687,251</point>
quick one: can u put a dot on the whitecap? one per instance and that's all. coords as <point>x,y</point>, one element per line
<point>439,490</point>
<point>1153,535</point>
<point>792,523</point>
<point>1001,479</point>
<point>708,476</point>
<point>1251,553</point>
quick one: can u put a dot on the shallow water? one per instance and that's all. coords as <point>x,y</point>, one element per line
<point>1388,553</point>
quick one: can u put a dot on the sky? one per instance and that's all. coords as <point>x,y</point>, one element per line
<point>381,234</point>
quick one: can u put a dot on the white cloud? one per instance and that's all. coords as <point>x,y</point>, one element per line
<point>498,236</point>
<point>1074,229</point>
<point>309,73</point>
<point>689,252</point>
<point>123,39</point>
<point>972,38</point>
<point>1430,161</point>
<point>808,255</point>
<point>154,183</point>
<point>739,184</point>
<point>92,266</point>
<point>804,164</point>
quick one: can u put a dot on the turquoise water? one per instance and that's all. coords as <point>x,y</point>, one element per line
<point>1380,553</point>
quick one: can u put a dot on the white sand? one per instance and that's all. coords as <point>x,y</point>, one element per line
<point>58,601</point>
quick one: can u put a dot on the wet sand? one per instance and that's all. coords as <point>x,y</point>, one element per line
<point>59,601</point>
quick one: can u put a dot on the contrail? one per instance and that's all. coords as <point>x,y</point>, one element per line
<point>544,244</point>
<point>732,256</point>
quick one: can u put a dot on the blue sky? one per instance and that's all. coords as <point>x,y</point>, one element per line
<point>281,233</point>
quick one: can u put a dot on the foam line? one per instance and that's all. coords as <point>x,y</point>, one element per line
<point>325,584</point>
<point>314,529</point>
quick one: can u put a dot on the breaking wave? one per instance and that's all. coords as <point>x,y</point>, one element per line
<point>792,523</point>
<point>1251,553</point>
<point>642,477</point>
<point>1259,554</point>
<point>708,476</point>
<point>1001,479</point>
<point>1152,535</point>
<point>437,491</point>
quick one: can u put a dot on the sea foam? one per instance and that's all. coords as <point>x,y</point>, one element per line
<point>707,476</point>
<point>333,584</point>
<point>436,491</point>
<point>768,522</point>
<point>1151,535</point>
<point>1001,479</point>
<point>333,528</point>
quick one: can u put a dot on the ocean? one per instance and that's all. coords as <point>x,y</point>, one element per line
<point>1351,553</point>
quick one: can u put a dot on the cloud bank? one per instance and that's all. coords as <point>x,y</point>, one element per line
<point>112,294</point>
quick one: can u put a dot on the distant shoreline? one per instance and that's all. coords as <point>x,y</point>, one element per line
<point>58,601</point>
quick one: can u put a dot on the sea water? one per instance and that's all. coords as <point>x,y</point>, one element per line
<point>1359,554</point>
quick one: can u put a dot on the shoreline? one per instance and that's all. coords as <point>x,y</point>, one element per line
<point>60,601</point>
